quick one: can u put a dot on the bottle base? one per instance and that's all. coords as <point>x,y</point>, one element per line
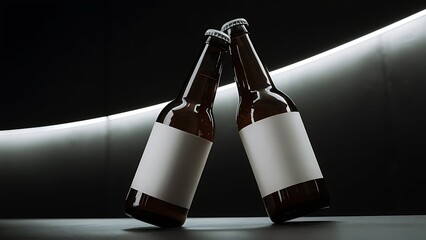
<point>154,211</point>
<point>297,201</point>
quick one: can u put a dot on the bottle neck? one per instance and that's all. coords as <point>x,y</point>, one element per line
<point>250,74</point>
<point>202,84</point>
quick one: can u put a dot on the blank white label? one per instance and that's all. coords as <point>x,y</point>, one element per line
<point>171,165</point>
<point>279,152</point>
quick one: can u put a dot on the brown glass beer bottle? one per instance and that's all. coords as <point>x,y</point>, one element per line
<point>274,138</point>
<point>178,146</point>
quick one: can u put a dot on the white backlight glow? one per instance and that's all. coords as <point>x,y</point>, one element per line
<point>5,133</point>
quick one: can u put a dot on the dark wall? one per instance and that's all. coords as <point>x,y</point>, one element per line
<point>72,60</point>
<point>81,60</point>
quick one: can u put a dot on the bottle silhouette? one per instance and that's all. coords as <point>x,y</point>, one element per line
<point>178,146</point>
<point>273,135</point>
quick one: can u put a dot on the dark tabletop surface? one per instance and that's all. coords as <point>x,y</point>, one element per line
<point>364,227</point>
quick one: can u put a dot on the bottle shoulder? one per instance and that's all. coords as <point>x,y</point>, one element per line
<point>259,104</point>
<point>189,117</point>
<point>268,98</point>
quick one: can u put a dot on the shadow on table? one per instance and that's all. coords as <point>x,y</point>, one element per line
<point>206,226</point>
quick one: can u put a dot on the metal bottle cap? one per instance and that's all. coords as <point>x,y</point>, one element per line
<point>218,34</point>
<point>232,23</point>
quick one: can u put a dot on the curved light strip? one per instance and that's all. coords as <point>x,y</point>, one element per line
<point>351,43</point>
<point>222,88</point>
<point>138,111</point>
<point>54,127</point>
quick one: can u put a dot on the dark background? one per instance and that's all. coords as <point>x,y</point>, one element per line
<point>64,61</point>
<point>72,60</point>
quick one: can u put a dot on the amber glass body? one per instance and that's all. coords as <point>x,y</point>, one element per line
<point>259,99</point>
<point>192,112</point>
